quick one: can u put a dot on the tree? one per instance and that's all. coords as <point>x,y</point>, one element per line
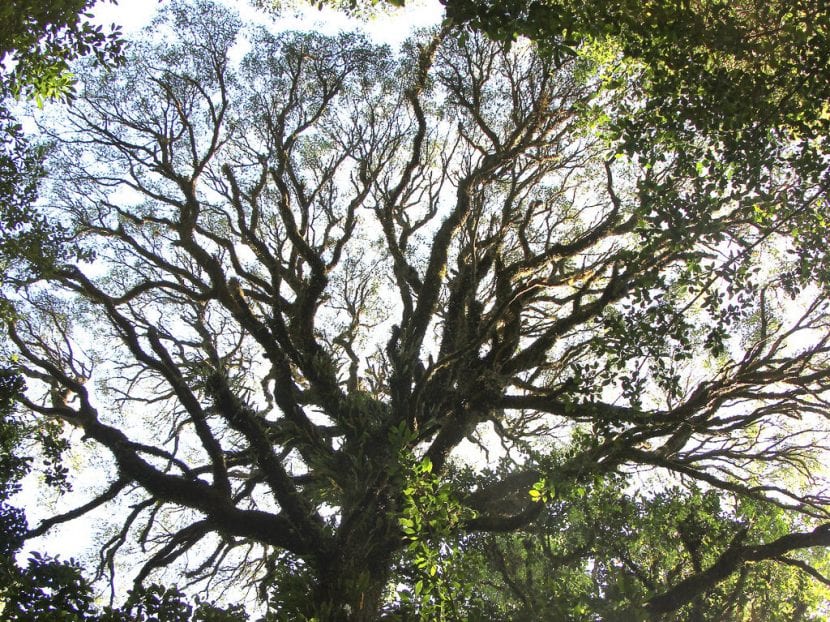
<point>38,41</point>
<point>327,275</point>
<point>712,63</point>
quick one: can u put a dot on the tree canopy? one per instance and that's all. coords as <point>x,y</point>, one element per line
<point>469,330</point>
<point>38,42</point>
<point>730,64</point>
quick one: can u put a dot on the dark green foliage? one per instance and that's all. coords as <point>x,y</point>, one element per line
<point>39,39</point>
<point>48,589</point>
<point>745,66</point>
<point>12,466</point>
<point>597,553</point>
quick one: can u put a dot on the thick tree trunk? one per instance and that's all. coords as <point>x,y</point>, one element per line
<point>349,598</point>
<point>353,574</point>
<point>351,585</point>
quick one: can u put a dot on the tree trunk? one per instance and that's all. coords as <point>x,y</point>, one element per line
<point>351,585</point>
<point>352,575</point>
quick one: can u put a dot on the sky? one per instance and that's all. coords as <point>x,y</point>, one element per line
<point>389,27</point>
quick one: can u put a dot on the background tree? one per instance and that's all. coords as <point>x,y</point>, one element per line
<point>733,65</point>
<point>326,276</point>
<point>39,39</point>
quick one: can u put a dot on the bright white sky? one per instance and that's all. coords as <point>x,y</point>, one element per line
<point>390,27</point>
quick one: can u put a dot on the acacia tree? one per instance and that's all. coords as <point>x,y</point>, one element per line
<point>327,275</point>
